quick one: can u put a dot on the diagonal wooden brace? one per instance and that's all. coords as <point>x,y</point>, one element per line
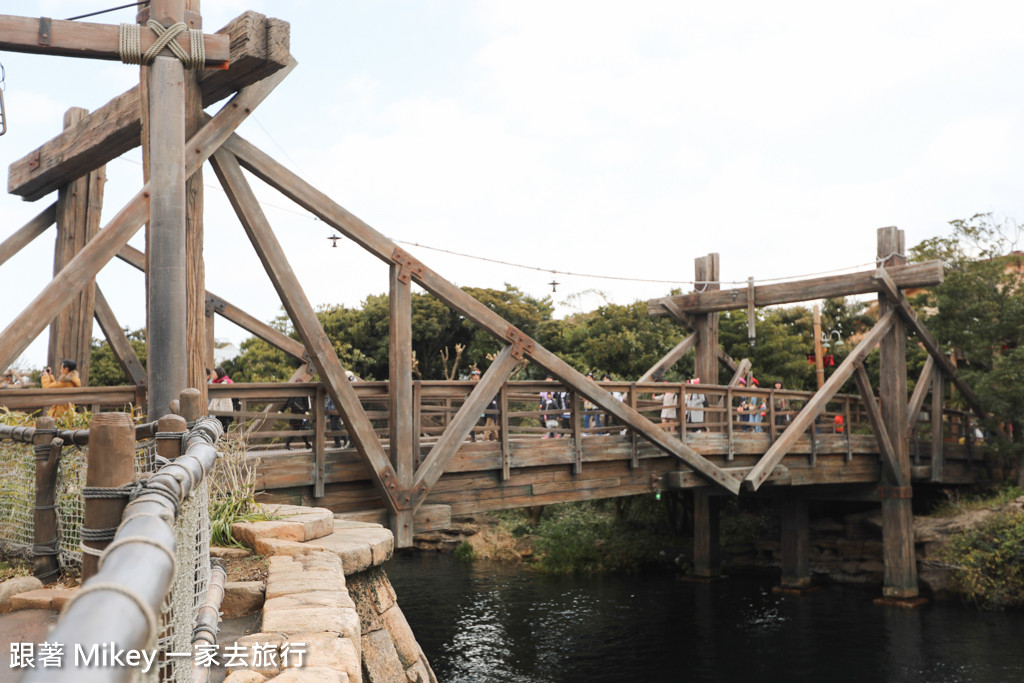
<point>408,267</point>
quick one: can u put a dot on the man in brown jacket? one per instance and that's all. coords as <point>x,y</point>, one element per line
<point>68,378</point>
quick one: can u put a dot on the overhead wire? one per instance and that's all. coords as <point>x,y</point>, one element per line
<point>112,9</point>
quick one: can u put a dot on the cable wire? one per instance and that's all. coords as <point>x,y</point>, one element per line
<point>112,9</point>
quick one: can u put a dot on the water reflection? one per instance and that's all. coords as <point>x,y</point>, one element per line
<point>495,623</point>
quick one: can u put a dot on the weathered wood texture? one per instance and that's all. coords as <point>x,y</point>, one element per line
<point>259,47</point>
<point>706,275</point>
<point>400,394</point>
<point>926,274</point>
<point>301,312</point>
<point>46,566</point>
<point>321,206</point>
<point>707,561</point>
<point>879,426</point>
<point>195,268</point>
<point>92,41</point>
<point>900,575</point>
<point>795,545</point>
<point>813,407</point>
<point>111,464</point>
<point>83,268</point>
<point>79,204</point>
<point>24,235</point>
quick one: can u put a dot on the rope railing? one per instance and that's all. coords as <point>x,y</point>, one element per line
<point>122,602</point>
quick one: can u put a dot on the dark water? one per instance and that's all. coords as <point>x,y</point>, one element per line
<point>497,623</point>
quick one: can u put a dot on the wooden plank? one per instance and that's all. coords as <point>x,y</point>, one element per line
<point>878,425</point>
<point>45,566</point>
<point>670,358</point>
<point>706,550</point>
<point>672,309</point>
<point>119,344</point>
<point>682,479</point>
<point>795,546</point>
<point>195,266</point>
<point>742,370</point>
<point>456,432</point>
<point>562,486</point>
<point>503,426</point>
<point>576,432</point>
<point>706,272</point>
<point>321,206</point>
<point>92,41</point>
<point>115,128</point>
<point>924,383</point>
<point>24,235</point>
<point>805,418</point>
<point>256,226</point>
<point>727,360</point>
<point>400,397</point>
<point>319,443</point>
<point>926,274</point>
<point>937,445</point>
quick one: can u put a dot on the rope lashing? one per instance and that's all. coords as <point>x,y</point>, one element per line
<point>130,44</point>
<point>98,535</point>
<point>144,608</point>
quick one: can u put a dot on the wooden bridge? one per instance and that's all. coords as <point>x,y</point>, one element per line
<point>411,442</point>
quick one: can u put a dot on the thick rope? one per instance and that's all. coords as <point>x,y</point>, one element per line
<point>147,611</point>
<point>98,535</point>
<point>145,540</point>
<point>130,44</point>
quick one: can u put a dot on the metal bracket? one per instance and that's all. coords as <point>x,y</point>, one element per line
<point>33,160</point>
<point>521,344</point>
<point>408,266</point>
<point>44,31</point>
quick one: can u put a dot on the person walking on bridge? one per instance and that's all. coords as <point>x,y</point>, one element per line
<point>68,378</point>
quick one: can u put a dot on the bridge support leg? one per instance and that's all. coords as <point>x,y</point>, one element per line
<point>796,570</point>
<point>706,557</point>
<point>900,578</point>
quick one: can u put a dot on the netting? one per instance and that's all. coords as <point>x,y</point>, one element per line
<point>191,529</point>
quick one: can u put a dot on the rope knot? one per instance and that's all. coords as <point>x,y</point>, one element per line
<point>130,44</point>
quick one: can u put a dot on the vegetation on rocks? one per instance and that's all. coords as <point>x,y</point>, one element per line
<point>232,490</point>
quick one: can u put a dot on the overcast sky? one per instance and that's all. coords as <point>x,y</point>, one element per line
<point>586,137</point>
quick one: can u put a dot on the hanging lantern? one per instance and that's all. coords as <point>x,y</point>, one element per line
<point>554,284</point>
<point>334,241</point>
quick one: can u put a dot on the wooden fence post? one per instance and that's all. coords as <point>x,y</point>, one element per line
<point>706,556</point>
<point>46,563</point>
<point>111,464</point>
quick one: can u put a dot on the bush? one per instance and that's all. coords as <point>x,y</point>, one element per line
<point>988,562</point>
<point>232,491</point>
<point>464,552</point>
<point>585,538</point>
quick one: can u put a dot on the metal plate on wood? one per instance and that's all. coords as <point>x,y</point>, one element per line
<point>408,266</point>
<point>45,31</point>
<point>521,344</point>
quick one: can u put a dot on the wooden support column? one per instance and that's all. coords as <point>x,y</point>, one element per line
<point>938,450</point>
<point>46,564</point>
<point>196,340</point>
<point>900,576</point>
<point>78,220</point>
<point>319,442</point>
<point>111,464</point>
<point>163,109</point>
<point>706,557</point>
<point>400,397</point>
<point>796,568</point>
<point>819,359</point>
<point>705,325</point>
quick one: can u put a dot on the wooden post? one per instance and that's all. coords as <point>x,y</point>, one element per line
<point>706,558</point>
<point>506,455</point>
<point>576,429</point>
<point>190,404</point>
<point>78,220</point>
<point>163,105</point>
<point>111,464</point>
<point>938,450</point>
<point>706,324</point>
<point>46,565</point>
<point>819,361</point>
<point>796,570</point>
<point>634,438</point>
<point>400,397</point>
<point>900,576</point>
<point>319,442</point>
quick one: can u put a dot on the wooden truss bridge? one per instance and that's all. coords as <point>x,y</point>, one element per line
<point>408,445</point>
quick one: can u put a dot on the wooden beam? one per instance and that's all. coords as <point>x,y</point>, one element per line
<point>24,235</point>
<point>673,309</point>
<point>924,383</point>
<point>878,424</point>
<point>229,311</point>
<point>670,358</point>
<point>886,285</point>
<point>400,396</point>
<point>115,128</point>
<point>938,444</point>
<point>119,344</point>
<point>726,360</point>
<point>256,226</point>
<point>22,330</point>
<point>320,205</point>
<point>458,429</point>
<point>741,370</point>
<point>926,274</point>
<point>705,363</point>
<point>91,41</point>
<point>805,418</point>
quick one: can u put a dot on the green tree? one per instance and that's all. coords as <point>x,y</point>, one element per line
<point>104,368</point>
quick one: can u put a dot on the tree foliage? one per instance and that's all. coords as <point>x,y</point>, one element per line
<point>104,368</point>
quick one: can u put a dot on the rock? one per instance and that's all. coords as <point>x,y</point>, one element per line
<point>229,553</point>
<point>380,659</point>
<point>41,598</point>
<point>408,649</point>
<point>242,598</point>
<point>245,676</point>
<point>330,652</point>
<point>307,620</point>
<point>12,587</point>
<point>312,675</point>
